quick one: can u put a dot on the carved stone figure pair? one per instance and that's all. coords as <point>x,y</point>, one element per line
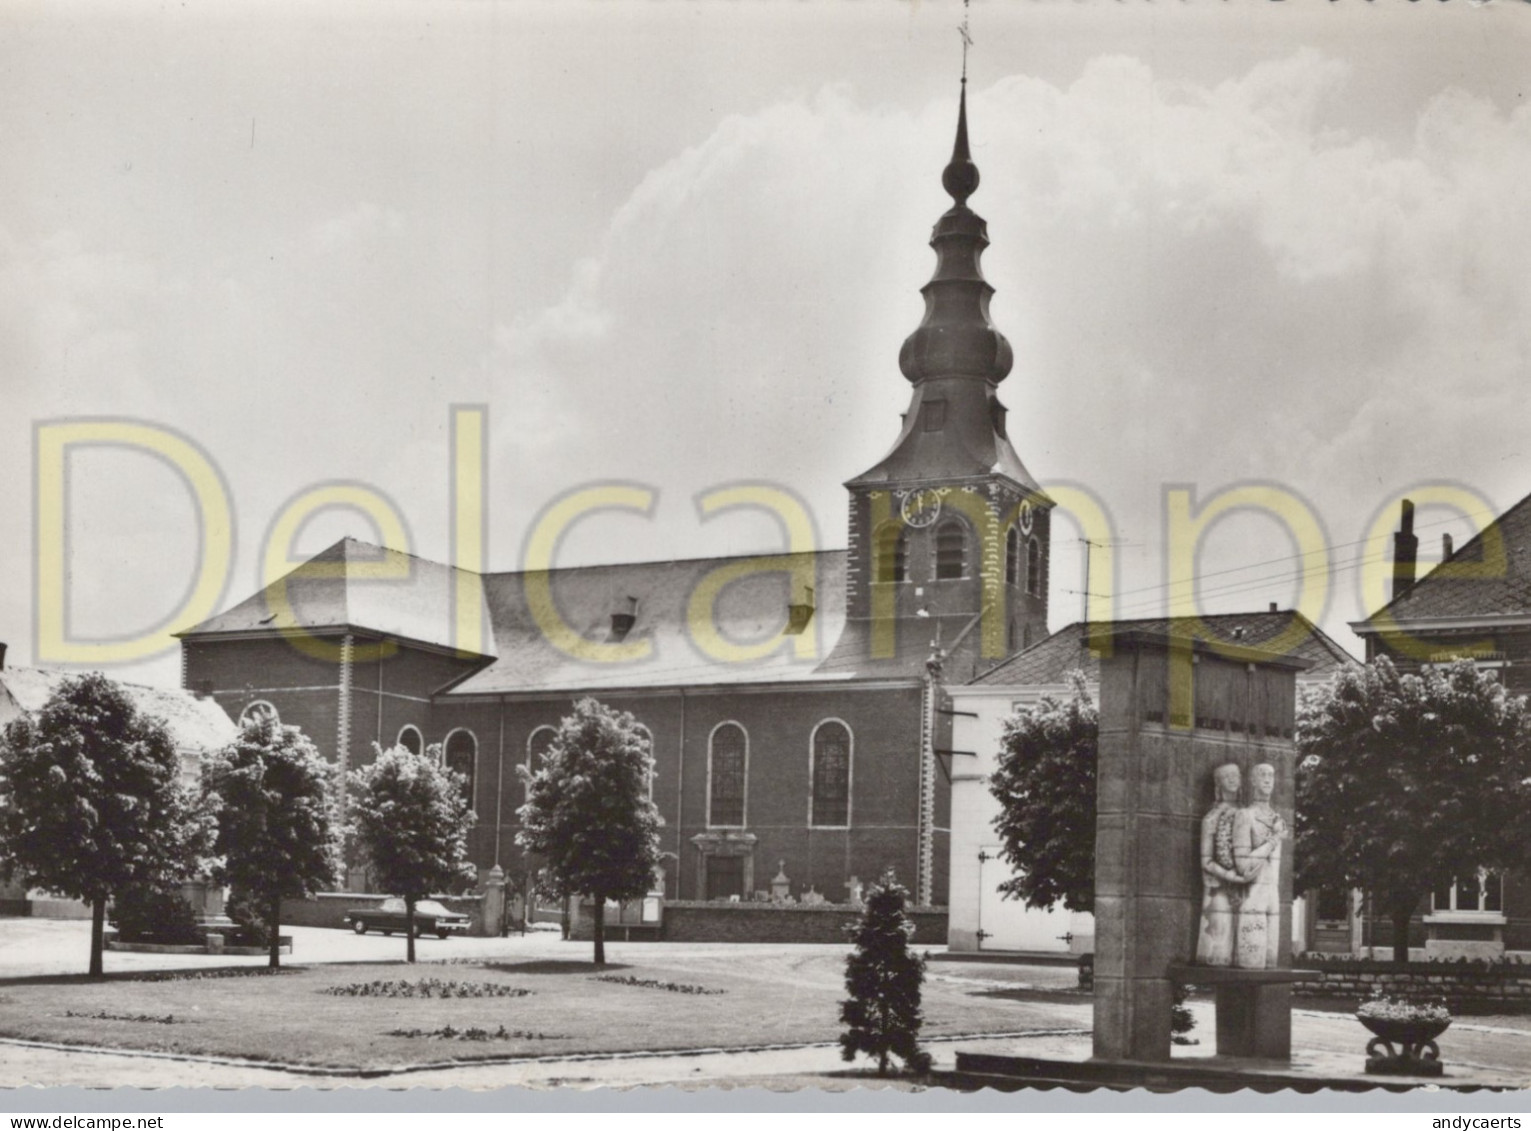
<point>1241,873</point>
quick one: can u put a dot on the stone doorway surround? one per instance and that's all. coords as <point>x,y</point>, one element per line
<point>724,842</point>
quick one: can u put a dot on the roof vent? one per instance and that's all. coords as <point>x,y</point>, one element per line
<point>1273,608</point>
<point>1446,548</point>
<point>622,622</point>
<point>2,655</point>
<point>798,615</point>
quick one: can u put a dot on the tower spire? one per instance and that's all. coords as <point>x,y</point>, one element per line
<point>960,177</point>
<point>956,337</point>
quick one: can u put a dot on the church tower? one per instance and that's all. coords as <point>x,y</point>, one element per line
<point>949,531</point>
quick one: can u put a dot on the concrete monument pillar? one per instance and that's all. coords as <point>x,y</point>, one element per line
<point>1175,714</point>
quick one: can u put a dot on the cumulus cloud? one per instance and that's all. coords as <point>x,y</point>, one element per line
<point>1204,281</point>
<point>1204,284</point>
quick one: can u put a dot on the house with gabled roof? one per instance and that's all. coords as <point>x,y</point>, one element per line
<point>1475,604</point>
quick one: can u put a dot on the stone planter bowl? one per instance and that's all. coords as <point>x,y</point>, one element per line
<point>1403,1048</point>
<point>1410,1034</point>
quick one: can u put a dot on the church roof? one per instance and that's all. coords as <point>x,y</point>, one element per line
<point>1049,661</point>
<point>669,624</point>
<point>1489,576</point>
<point>194,724</point>
<point>357,586</point>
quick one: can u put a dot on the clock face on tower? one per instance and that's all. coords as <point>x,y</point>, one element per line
<point>921,507</point>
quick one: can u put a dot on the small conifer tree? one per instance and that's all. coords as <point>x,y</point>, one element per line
<point>884,976</point>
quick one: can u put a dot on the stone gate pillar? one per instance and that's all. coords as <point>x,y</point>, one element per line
<point>1172,710</point>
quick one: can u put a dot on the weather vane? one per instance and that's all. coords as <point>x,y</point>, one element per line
<point>967,40</point>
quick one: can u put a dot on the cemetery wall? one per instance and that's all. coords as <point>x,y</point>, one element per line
<point>768,923</point>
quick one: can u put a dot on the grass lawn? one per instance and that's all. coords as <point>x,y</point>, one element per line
<point>565,1008</point>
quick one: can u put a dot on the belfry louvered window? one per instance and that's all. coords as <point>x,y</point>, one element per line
<point>1034,568</point>
<point>1012,556</point>
<point>951,551</point>
<point>892,553</point>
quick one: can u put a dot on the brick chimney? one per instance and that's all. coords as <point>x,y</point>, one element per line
<point>1446,548</point>
<point>2,655</point>
<point>1405,553</point>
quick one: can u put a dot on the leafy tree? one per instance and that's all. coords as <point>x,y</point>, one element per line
<point>1045,784</point>
<point>410,817</point>
<point>90,801</point>
<point>884,976</point>
<point>1407,782</point>
<point>588,815</point>
<point>277,829</point>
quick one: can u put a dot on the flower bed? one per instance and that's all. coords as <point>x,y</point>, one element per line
<point>425,987</point>
<point>474,1033</point>
<point>655,984</point>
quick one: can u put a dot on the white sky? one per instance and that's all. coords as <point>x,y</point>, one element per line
<point>680,243</point>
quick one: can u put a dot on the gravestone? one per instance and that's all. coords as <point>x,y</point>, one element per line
<point>1173,710</point>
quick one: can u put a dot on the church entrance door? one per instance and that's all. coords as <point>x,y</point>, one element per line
<point>725,877</point>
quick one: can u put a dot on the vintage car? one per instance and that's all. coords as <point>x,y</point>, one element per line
<point>389,916</point>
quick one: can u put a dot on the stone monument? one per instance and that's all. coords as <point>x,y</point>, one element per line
<point>1193,880</point>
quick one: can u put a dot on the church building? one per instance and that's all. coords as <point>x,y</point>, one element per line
<point>815,756</point>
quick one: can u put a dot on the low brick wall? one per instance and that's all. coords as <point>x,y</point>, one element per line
<point>1467,987</point>
<point>686,921</point>
<point>328,909</point>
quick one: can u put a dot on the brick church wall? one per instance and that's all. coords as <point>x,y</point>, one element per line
<point>884,778</point>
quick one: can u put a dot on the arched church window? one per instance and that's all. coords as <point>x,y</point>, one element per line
<point>1012,556</point>
<point>892,553</point>
<point>831,803</point>
<point>536,746</point>
<point>648,737</point>
<point>1034,567</point>
<point>409,738</point>
<point>727,763</point>
<point>951,551</point>
<point>461,756</point>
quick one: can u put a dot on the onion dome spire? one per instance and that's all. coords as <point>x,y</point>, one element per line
<point>956,337</point>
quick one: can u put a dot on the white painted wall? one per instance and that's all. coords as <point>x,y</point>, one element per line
<point>972,903</point>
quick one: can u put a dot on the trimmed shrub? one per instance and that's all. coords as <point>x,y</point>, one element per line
<point>156,915</point>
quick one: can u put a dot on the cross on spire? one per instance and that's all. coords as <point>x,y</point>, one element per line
<point>967,40</point>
